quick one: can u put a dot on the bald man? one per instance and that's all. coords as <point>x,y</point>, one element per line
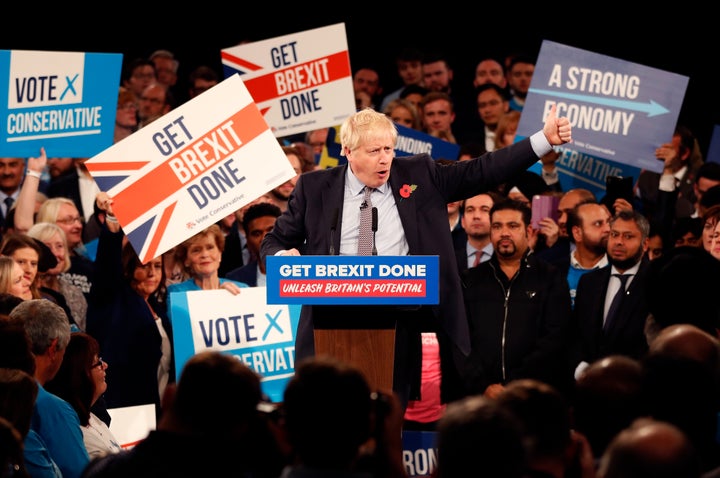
<point>689,342</point>
<point>607,399</point>
<point>650,448</point>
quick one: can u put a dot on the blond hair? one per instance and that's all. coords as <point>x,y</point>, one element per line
<point>45,231</point>
<point>212,231</point>
<point>50,209</point>
<point>365,126</point>
<point>7,267</point>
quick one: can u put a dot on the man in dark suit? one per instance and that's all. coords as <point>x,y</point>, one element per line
<point>475,221</point>
<point>257,221</point>
<point>600,330</point>
<point>411,195</point>
<point>679,170</point>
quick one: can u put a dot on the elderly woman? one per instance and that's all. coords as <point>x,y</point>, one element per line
<point>200,255</point>
<point>61,211</point>
<point>53,281</point>
<point>127,314</point>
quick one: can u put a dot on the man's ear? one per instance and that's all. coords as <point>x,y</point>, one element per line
<point>684,153</point>
<point>645,245</point>
<point>52,349</point>
<point>576,234</point>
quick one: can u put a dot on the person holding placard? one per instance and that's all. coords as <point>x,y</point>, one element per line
<point>127,314</point>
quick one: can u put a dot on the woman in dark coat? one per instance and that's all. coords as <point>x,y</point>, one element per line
<point>127,314</point>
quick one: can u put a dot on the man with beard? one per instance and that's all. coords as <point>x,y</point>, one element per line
<point>559,245</point>
<point>603,327</point>
<point>518,308</point>
<point>588,225</point>
<point>281,194</point>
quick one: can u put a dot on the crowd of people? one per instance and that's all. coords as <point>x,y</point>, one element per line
<point>584,344</point>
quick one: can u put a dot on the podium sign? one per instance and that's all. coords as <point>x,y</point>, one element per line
<point>387,287</point>
<point>353,280</point>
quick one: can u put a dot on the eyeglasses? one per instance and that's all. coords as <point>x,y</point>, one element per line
<point>69,221</point>
<point>128,106</point>
<point>99,363</point>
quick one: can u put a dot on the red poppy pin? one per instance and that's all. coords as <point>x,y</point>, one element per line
<point>406,190</point>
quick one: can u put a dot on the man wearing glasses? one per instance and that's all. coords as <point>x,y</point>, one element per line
<point>155,101</point>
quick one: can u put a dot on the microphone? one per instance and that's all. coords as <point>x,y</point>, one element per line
<point>374,229</point>
<point>363,205</point>
<point>333,226</point>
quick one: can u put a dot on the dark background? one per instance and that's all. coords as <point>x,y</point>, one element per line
<point>682,38</point>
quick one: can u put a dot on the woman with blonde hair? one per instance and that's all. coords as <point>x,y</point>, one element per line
<point>507,129</point>
<point>53,281</point>
<point>200,256</point>
<point>404,113</point>
<point>12,278</point>
<point>58,210</point>
<point>63,212</point>
<point>28,254</point>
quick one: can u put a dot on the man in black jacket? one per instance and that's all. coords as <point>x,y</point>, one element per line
<point>518,308</point>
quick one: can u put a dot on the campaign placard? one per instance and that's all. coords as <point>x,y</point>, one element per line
<point>131,425</point>
<point>419,453</point>
<point>409,142</point>
<point>190,168</point>
<point>243,325</point>
<point>620,112</point>
<point>363,280</point>
<point>300,81</point>
<point>713,154</point>
<point>62,101</point>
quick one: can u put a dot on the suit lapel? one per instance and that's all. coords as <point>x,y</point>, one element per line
<point>631,300</point>
<point>333,195</point>
<point>600,300</point>
<point>406,207</point>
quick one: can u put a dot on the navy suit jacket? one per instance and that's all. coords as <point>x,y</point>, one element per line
<point>626,336</point>
<point>318,198</point>
<point>246,273</point>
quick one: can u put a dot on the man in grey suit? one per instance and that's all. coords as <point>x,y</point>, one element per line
<point>411,196</point>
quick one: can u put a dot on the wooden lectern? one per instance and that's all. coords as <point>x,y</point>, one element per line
<point>362,335</point>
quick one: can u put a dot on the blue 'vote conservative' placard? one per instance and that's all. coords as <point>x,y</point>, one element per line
<point>62,101</point>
